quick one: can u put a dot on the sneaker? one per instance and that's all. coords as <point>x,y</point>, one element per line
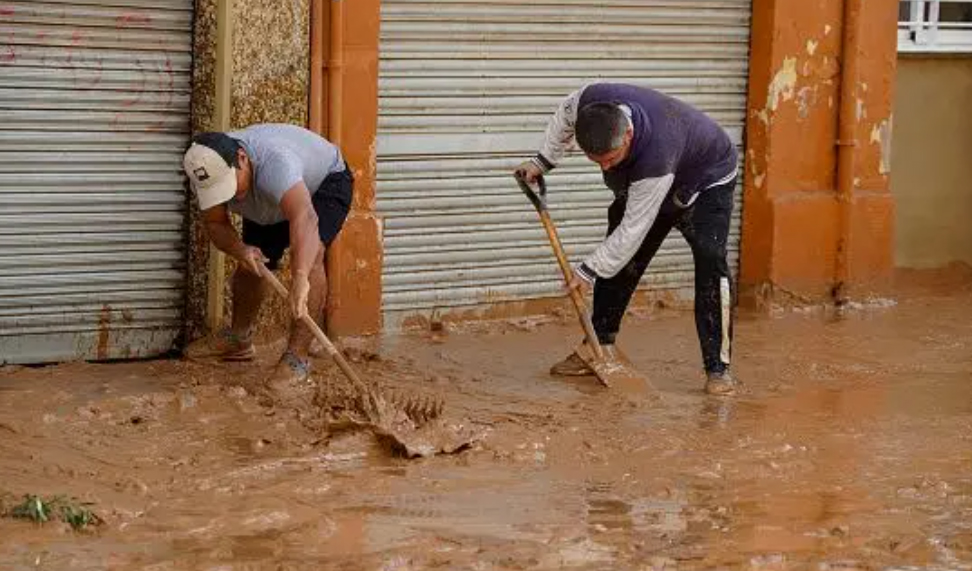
<point>224,345</point>
<point>291,371</point>
<point>316,350</point>
<point>721,384</point>
<point>288,385</point>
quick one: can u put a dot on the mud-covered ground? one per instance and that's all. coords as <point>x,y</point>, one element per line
<point>852,449</point>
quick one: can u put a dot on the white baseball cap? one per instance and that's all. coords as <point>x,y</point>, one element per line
<point>211,176</point>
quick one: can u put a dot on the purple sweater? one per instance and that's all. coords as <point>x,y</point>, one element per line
<point>675,149</point>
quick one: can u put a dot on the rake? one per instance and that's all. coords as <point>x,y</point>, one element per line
<point>376,407</point>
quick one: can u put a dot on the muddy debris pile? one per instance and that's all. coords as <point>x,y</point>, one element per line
<point>408,419</point>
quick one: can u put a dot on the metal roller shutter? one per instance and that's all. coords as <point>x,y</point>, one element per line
<point>94,116</point>
<point>466,88</point>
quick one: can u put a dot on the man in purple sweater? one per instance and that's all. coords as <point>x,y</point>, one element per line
<point>669,165</point>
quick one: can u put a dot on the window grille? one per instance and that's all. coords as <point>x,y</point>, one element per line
<point>935,26</point>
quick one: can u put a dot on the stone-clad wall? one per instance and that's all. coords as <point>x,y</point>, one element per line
<point>270,84</point>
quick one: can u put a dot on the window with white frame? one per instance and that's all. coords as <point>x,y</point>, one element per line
<point>935,26</point>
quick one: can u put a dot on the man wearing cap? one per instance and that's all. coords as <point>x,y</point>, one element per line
<point>293,189</point>
<point>669,166</point>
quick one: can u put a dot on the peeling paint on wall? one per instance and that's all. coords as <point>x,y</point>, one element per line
<point>806,99</point>
<point>798,54</point>
<point>373,156</point>
<point>881,135</point>
<point>783,84</point>
<point>753,164</point>
<point>763,116</point>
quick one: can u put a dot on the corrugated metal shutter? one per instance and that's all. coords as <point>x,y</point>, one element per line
<point>466,88</point>
<point>94,114</point>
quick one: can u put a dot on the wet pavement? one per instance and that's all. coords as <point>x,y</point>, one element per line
<point>851,449</point>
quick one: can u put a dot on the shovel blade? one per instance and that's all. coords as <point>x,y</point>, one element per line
<point>618,373</point>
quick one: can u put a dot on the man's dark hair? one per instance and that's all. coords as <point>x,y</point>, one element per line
<point>224,145</point>
<point>600,128</point>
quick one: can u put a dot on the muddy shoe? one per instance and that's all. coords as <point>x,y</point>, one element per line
<point>289,378</point>
<point>721,384</point>
<point>224,345</point>
<point>572,366</point>
<point>317,350</point>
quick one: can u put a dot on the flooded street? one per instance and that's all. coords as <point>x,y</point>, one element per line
<point>851,449</point>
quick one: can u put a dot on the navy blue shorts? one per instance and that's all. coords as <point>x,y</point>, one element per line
<point>332,201</point>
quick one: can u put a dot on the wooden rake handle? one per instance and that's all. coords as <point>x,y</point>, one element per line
<point>319,334</point>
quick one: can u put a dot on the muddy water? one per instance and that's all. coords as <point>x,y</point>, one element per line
<point>852,449</point>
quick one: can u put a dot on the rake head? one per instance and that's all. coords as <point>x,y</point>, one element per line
<point>420,410</point>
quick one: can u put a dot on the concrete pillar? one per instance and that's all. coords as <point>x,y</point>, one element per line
<point>792,229</point>
<point>354,260</point>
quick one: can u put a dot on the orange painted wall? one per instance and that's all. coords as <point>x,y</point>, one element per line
<point>791,215</point>
<point>354,260</point>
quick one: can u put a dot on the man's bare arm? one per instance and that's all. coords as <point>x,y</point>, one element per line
<point>220,229</point>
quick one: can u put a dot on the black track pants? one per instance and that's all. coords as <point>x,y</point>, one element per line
<point>705,226</point>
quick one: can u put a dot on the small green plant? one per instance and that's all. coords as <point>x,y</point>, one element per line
<point>75,513</point>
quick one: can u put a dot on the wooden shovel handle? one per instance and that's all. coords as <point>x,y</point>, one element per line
<point>540,203</point>
<point>575,296</point>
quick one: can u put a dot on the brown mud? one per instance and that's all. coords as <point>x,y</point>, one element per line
<point>850,449</point>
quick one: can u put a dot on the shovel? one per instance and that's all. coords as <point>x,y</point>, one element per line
<point>377,409</point>
<point>609,369</point>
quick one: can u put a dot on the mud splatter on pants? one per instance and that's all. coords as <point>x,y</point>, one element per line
<point>705,226</point>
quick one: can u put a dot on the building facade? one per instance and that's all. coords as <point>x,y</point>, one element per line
<point>433,104</point>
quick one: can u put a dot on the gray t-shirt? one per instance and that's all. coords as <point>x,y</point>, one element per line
<point>281,156</point>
